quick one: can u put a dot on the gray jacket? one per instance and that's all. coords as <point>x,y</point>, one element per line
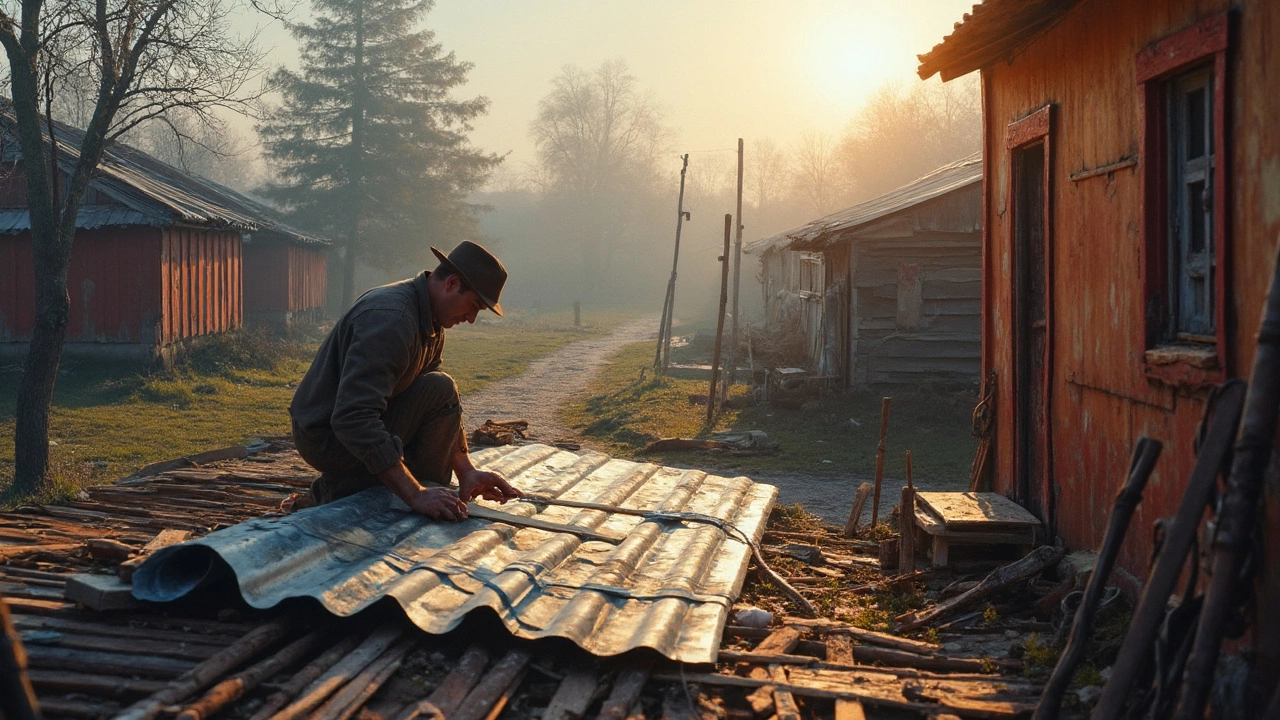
<point>384,341</point>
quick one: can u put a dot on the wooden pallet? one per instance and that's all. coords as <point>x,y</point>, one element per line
<point>967,517</point>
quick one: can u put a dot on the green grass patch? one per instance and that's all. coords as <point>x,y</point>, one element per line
<point>109,419</point>
<point>625,408</point>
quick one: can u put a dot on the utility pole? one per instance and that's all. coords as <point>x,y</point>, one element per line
<point>724,299</point>
<point>731,365</point>
<point>662,354</point>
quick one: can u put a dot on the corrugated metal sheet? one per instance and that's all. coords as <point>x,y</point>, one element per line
<point>90,217</point>
<point>994,29</point>
<point>163,194</point>
<point>668,585</point>
<point>939,182</point>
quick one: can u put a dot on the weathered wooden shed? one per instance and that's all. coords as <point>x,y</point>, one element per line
<point>887,291</point>
<point>158,258</point>
<point>1132,210</point>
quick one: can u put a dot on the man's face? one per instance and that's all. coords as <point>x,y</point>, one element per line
<point>458,304</point>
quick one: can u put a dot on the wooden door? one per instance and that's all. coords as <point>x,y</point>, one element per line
<point>1031,331</point>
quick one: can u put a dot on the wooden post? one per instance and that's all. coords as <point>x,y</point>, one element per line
<point>577,314</point>
<point>855,512</point>
<point>663,353</point>
<point>731,366</point>
<point>907,525</point>
<point>724,299</point>
<point>884,432</point>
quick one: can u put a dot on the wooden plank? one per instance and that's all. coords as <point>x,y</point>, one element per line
<point>849,710</point>
<point>99,592</point>
<point>784,702</point>
<point>453,690</point>
<point>108,686</point>
<point>494,686</point>
<point>127,633</point>
<point>962,509</point>
<point>91,661</point>
<point>783,640</point>
<point>574,696</point>
<point>626,690</point>
<point>163,539</point>
<point>840,650</point>
<point>157,648</point>
<point>927,521</point>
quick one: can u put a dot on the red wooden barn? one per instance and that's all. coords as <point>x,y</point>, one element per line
<point>1132,209</point>
<point>159,257</point>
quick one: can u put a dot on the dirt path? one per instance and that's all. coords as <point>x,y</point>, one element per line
<point>550,381</point>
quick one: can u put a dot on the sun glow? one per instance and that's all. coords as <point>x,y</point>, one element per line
<point>849,58</point>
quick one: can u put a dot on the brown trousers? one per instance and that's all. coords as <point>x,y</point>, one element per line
<point>427,418</point>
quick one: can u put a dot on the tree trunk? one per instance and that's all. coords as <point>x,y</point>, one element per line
<point>35,391</point>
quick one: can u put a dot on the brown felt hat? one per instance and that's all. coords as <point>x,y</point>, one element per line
<point>480,271</point>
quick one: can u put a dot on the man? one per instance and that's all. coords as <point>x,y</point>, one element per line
<point>374,407</point>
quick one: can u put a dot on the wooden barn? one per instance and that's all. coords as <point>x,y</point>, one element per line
<point>886,293</point>
<point>1132,210</point>
<point>158,258</point>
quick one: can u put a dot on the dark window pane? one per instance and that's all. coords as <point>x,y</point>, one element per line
<point>1196,217</point>
<point>1195,123</point>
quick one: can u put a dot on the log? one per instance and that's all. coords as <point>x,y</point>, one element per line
<point>207,672</point>
<point>235,687</point>
<point>496,684</point>
<point>626,690</point>
<point>449,696</point>
<point>306,676</point>
<point>805,606</point>
<point>829,627</point>
<point>338,675</point>
<point>1035,562</point>
<point>574,696</point>
<point>855,512</point>
<point>351,697</point>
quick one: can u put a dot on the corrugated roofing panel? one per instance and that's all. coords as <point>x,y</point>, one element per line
<point>15,220</point>
<point>667,585</point>
<point>945,179</point>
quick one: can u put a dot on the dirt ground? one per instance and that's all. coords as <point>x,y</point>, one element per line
<point>551,380</point>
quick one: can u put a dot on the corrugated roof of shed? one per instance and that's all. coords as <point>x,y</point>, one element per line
<point>945,179</point>
<point>160,194</point>
<point>993,30</point>
<point>668,585</point>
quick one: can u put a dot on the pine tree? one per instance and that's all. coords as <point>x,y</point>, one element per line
<point>369,145</point>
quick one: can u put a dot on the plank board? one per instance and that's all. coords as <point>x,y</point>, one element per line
<point>973,510</point>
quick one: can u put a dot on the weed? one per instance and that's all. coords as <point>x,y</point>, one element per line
<point>990,616</point>
<point>1088,674</point>
<point>1040,654</point>
<point>932,636</point>
<point>175,393</point>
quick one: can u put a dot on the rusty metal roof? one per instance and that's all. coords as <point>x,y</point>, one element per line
<point>946,179</point>
<point>157,193</point>
<point>993,30</point>
<point>667,584</point>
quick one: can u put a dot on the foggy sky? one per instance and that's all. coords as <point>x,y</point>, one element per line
<point>721,69</point>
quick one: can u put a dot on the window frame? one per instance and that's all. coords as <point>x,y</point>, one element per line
<point>1166,359</point>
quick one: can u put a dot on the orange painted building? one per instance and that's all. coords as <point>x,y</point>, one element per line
<point>159,257</point>
<point>1131,214</point>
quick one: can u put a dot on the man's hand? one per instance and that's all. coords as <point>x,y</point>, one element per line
<point>438,503</point>
<point>488,485</point>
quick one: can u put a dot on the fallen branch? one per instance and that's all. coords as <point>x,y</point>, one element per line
<point>337,676</point>
<point>307,675</point>
<point>1035,562</point>
<point>234,687</point>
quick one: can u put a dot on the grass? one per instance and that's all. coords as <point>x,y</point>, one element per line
<point>108,419</point>
<point>625,408</point>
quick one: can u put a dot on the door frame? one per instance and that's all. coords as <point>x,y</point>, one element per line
<point>1033,129</point>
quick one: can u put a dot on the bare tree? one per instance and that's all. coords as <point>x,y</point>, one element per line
<point>814,172</point>
<point>766,171</point>
<point>599,138</point>
<point>144,58</point>
<point>905,132</point>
